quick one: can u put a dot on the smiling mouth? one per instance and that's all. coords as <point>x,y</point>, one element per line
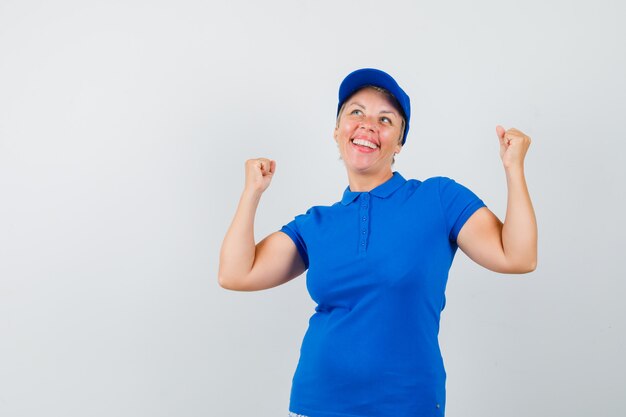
<point>365,143</point>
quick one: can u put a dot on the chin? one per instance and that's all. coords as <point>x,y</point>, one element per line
<point>359,168</point>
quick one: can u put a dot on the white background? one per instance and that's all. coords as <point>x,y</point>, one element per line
<point>124,127</point>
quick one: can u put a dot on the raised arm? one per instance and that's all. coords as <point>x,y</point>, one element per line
<point>510,247</point>
<point>244,265</point>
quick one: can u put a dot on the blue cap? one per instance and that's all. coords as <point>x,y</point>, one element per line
<point>370,76</point>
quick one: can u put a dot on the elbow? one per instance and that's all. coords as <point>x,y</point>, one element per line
<point>527,269</point>
<point>232,279</point>
<point>524,268</point>
<point>227,284</point>
<point>224,280</point>
<point>232,283</point>
<point>531,264</point>
<point>524,264</point>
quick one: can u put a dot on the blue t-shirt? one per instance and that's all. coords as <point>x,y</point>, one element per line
<point>378,265</point>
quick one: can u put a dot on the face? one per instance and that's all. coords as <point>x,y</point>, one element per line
<point>368,132</point>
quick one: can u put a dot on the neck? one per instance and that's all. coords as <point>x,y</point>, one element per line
<point>363,182</point>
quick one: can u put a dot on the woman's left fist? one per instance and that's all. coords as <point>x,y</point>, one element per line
<point>513,146</point>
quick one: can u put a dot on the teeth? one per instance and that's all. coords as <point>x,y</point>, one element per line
<point>364,142</point>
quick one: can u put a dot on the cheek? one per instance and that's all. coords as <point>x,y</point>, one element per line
<point>346,127</point>
<point>391,136</point>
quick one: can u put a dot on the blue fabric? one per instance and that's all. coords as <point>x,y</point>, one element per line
<point>378,265</point>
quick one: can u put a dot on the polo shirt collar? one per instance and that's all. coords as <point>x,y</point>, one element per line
<point>384,190</point>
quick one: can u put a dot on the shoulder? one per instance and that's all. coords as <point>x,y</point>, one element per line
<point>440,188</point>
<point>439,180</point>
<point>446,184</point>
<point>416,186</point>
<point>317,211</point>
<point>434,181</point>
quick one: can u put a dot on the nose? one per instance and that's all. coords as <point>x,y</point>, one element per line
<point>368,124</point>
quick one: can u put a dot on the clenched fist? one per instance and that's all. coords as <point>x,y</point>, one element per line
<point>259,173</point>
<point>513,146</point>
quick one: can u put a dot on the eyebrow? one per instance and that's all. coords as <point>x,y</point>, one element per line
<point>381,112</point>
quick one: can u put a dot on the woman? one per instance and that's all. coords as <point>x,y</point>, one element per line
<point>378,260</point>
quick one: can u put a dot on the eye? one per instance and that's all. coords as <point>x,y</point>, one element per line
<point>385,120</point>
<point>356,112</point>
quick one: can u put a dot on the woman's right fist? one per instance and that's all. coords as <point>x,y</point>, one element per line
<point>259,173</point>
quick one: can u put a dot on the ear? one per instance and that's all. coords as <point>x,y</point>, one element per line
<point>335,133</point>
<point>398,148</point>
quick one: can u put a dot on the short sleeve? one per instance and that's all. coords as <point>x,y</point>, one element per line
<point>292,230</point>
<point>458,204</point>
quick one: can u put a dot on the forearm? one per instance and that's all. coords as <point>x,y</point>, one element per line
<point>519,232</point>
<point>238,248</point>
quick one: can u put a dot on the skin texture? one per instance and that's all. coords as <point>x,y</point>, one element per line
<point>245,266</point>
<point>371,116</point>
<point>509,247</point>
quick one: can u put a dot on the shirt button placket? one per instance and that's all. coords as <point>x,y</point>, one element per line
<point>364,222</point>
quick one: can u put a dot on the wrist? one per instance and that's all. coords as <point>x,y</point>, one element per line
<point>252,195</point>
<point>514,168</point>
<point>515,175</point>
